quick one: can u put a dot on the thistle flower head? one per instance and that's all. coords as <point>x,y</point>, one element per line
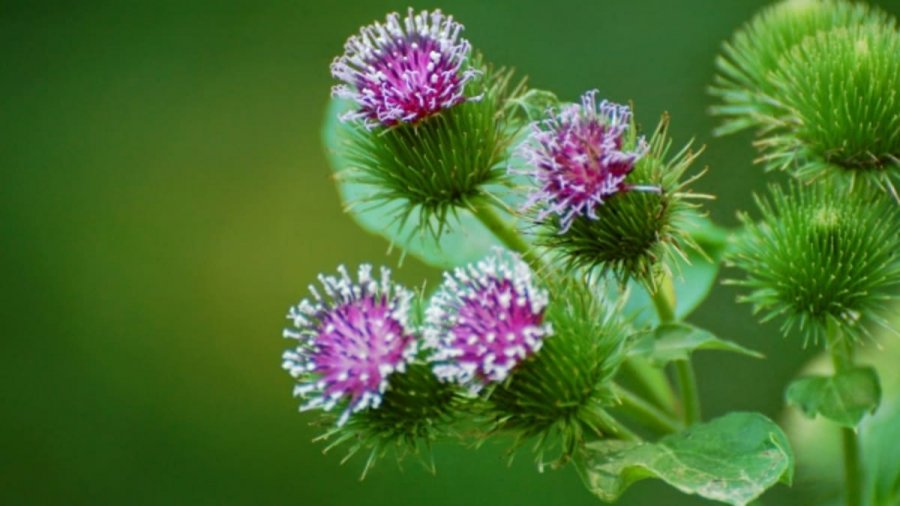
<point>579,159</point>
<point>424,172</point>
<point>402,71</point>
<point>560,394</point>
<point>486,319</point>
<point>611,227</point>
<point>838,95</point>
<point>743,82</point>
<point>819,257</point>
<point>350,340</point>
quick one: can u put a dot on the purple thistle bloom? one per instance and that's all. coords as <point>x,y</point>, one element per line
<point>349,341</point>
<point>403,72</point>
<point>486,319</point>
<point>577,159</point>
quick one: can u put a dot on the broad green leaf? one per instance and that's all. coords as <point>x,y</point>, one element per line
<point>732,459</point>
<point>693,279</point>
<point>676,341</point>
<point>466,240</point>
<point>844,398</point>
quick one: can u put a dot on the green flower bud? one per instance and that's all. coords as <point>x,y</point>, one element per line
<point>560,393</point>
<point>820,257</point>
<point>743,81</point>
<point>839,100</point>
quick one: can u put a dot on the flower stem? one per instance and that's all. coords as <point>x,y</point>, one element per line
<point>504,231</point>
<point>842,358</point>
<point>689,395</point>
<point>664,301</point>
<point>651,381</point>
<point>645,412</point>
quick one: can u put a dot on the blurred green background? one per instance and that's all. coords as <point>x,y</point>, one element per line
<point>164,198</point>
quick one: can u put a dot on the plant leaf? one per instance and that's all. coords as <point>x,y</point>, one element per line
<point>881,451</point>
<point>844,398</point>
<point>466,240</point>
<point>732,459</point>
<point>676,341</point>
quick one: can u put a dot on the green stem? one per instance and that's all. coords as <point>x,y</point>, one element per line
<point>645,412</point>
<point>842,358</point>
<point>504,231</point>
<point>621,431</point>
<point>664,301</point>
<point>651,381</point>
<point>689,394</point>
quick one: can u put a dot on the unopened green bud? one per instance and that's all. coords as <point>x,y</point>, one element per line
<point>839,100</point>
<point>821,257</point>
<point>743,82</point>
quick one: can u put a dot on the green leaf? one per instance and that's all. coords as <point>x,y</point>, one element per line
<point>467,240</point>
<point>881,451</point>
<point>693,279</point>
<point>844,398</point>
<point>676,341</point>
<point>732,459</point>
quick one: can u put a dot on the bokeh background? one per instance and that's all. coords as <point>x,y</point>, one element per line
<point>164,197</point>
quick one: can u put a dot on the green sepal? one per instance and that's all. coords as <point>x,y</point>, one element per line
<point>676,341</point>
<point>416,410</point>
<point>844,398</point>
<point>732,459</point>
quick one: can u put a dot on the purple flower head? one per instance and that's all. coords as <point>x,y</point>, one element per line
<point>350,340</point>
<point>403,71</point>
<point>485,320</point>
<point>577,159</point>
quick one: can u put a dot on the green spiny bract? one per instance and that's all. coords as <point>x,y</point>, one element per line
<point>839,100</point>
<point>635,233</point>
<point>443,162</point>
<point>559,394</point>
<point>820,257</point>
<point>744,69</point>
<point>416,409</point>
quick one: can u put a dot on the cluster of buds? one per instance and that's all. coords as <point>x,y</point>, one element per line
<point>361,349</point>
<point>528,339</point>
<point>429,125</point>
<point>517,340</point>
<point>820,80</point>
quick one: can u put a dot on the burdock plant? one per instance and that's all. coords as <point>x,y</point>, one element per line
<point>574,249</point>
